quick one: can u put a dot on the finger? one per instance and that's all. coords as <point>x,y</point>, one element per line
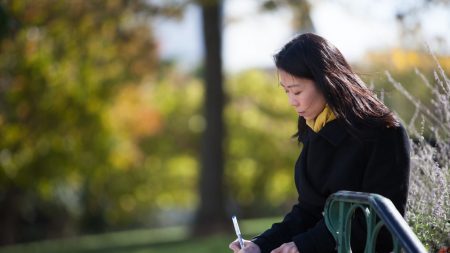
<point>248,244</point>
<point>234,246</point>
<point>277,250</point>
<point>284,248</point>
<point>292,249</point>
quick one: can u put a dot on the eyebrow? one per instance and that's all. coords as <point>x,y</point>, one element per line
<point>292,85</point>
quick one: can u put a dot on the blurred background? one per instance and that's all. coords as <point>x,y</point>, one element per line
<point>142,126</point>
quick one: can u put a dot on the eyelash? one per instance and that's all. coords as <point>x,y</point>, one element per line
<point>296,93</point>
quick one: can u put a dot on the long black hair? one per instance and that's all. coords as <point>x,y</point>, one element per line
<point>311,56</point>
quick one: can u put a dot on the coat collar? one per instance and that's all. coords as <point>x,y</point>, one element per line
<point>334,132</point>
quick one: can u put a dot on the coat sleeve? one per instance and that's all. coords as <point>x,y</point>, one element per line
<point>387,174</point>
<point>316,239</point>
<point>387,171</point>
<point>295,222</point>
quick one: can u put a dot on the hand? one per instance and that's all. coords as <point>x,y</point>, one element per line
<point>289,247</point>
<point>249,247</point>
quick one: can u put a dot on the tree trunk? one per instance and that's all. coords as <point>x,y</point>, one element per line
<point>9,205</point>
<point>211,212</point>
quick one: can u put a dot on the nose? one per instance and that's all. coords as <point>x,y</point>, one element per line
<point>292,100</point>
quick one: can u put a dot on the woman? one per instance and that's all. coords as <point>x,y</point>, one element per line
<point>351,141</point>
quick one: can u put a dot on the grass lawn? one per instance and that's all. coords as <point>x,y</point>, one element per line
<point>163,240</point>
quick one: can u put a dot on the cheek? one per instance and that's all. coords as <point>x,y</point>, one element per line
<point>306,98</point>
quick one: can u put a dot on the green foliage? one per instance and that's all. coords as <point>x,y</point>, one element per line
<point>61,64</point>
<point>171,151</point>
<point>260,153</point>
<point>93,139</point>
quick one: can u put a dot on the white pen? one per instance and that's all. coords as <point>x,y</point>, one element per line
<point>238,232</point>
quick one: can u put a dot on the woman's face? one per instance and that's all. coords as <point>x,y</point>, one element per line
<point>303,95</point>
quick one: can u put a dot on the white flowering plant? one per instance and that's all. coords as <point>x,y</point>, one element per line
<point>428,207</point>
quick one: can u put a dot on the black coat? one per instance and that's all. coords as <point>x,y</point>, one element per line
<point>333,160</point>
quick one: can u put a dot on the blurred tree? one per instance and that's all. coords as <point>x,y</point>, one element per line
<point>211,212</point>
<point>302,21</point>
<point>410,18</point>
<point>61,63</point>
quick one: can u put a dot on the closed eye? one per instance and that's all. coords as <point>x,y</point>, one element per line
<point>295,92</point>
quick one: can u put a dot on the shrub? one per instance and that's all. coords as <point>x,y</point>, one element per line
<point>428,207</point>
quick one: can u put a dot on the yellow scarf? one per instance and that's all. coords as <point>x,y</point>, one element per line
<point>324,117</point>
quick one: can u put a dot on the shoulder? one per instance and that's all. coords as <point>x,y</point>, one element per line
<point>393,134</point>
<point>397,136</point>
<point>391,141</point>
<point>382,133</point>
<point>386,140</point>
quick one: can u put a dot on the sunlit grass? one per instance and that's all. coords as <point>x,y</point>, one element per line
<point>162,240</point>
